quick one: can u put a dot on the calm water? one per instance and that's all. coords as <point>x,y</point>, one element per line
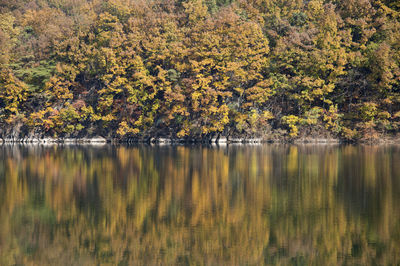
<point>271,204</point>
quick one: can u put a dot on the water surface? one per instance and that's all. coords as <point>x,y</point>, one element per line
<point>251,205</point>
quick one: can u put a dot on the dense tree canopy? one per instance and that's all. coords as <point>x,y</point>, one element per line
<point>195,68</point>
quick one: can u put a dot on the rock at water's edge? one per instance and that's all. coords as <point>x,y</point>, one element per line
<point>222,140</point>
<point>98,139</point>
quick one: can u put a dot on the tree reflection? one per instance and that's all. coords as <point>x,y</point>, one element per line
<point>272,204</point>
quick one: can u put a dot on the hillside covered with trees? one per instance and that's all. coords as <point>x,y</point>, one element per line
<point>277,69</point>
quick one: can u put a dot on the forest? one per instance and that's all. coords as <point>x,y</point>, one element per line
<point>274,69</point>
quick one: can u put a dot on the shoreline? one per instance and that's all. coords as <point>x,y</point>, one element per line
<point>208,141</point>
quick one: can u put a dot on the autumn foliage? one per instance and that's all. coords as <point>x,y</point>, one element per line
<point>197,68</point>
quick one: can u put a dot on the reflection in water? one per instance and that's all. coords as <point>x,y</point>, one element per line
<point>271,204</point>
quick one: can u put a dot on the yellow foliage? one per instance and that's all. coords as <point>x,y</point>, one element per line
<point>13,93</point>
<point>291,121</point>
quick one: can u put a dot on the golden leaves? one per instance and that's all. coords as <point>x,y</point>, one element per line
<point>13,92</point>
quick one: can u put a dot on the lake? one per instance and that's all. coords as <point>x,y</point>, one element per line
<point>194,205</point>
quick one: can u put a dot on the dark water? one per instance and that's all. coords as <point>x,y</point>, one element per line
<point>252,205</point>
